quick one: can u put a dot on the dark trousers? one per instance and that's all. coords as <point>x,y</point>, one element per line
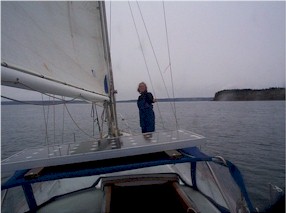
<point>147,120</point>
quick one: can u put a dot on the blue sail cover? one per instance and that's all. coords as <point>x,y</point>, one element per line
<point>224,180</point>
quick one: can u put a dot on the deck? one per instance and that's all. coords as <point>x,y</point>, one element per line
<point>103,149</point>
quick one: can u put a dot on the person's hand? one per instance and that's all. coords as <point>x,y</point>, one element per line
<point>154,100</point>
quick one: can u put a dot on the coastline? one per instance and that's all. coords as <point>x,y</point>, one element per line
<point>269,94</point>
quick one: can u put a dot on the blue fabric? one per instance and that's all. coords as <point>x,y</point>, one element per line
<point>236,175</point>
<point>193,175</point>
<point>14,179</point>
<point>30,198</point>
<point>105,84</point>
<point>234,171</point>
<point>146,113</point>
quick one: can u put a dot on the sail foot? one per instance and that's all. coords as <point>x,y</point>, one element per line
<point>14,78</point>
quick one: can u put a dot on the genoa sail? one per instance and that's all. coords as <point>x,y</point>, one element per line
<point>56,48</point>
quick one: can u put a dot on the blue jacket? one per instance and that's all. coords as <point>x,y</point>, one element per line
<point>146,113</point>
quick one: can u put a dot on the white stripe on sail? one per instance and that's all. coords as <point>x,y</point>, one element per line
<point>59,40</point>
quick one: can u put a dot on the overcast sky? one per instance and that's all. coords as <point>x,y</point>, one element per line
<point>213,46</point>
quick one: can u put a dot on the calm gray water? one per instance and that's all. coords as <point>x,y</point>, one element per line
<point>250,134</point>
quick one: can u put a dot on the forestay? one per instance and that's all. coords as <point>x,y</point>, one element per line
<point>55,47</point>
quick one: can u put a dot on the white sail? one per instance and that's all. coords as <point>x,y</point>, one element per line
<point>54,47</point>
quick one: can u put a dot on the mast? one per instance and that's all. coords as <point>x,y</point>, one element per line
<point>111,105</point>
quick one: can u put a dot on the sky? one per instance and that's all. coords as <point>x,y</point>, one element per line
<point>213,46</point>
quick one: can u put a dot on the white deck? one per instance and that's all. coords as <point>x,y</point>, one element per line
<point>100,149</point>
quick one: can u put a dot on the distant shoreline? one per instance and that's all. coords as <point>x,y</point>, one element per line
<point>83,102</point>
<point>269,94</point>
<point>170,100</point>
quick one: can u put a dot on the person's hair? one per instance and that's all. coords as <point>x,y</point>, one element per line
<point>139,85</point>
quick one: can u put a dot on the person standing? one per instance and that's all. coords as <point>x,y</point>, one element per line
<point>145,105</point>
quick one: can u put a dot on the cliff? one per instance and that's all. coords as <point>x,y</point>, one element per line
<point>250,95</point>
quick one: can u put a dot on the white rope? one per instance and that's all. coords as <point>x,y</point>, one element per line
<point>126,123</point>
<point>98,124</point>
<point>110,25</point>
<point>43,102</point>
<point>76,124</point>
<point>103,118</point>
<point>46,121</point>
<point>54,121</point>
<point>92,116</point>
<point>63,126</point>
<point>95,119</point>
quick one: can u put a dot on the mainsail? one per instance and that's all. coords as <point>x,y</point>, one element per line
<point>55,47</point>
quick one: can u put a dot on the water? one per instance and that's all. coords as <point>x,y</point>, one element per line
<point>250,134</point>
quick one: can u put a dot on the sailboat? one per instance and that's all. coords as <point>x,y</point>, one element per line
<point>62,48</point>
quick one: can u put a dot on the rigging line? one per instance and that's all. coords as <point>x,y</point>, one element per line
<point>98,124</point>
<point>102,118</point>
<point>46,126</point>
<point>28,87</point>
<point>110,25</point>
<point>54,121</point>
<point>22,102</point>
<point>145,61</point>
<point>77,124</point>
<point>92,116</point>
<point>94,113</point>
<point>169,55</point>
<point>63,127</point>
<point>126,123</point>
<point>156,59</point>
<point>38,104</point>
<point>166,68</point>
<point>141,48</point>
<point>48,115</point>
